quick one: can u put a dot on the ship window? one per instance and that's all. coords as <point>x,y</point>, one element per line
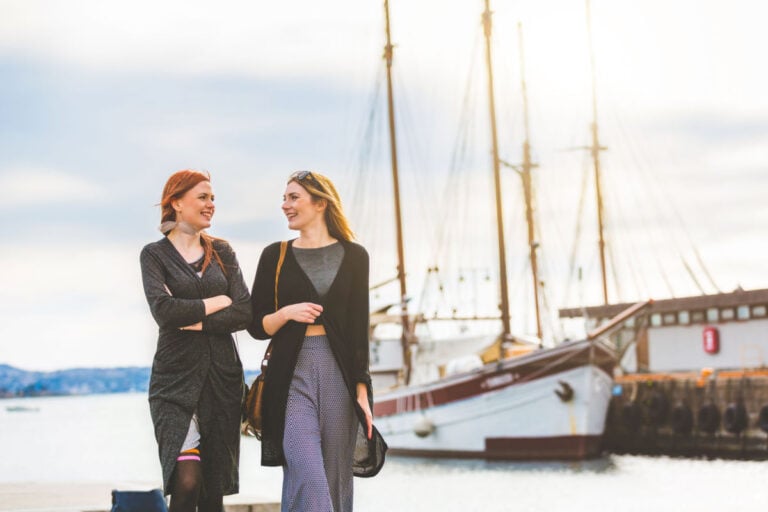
<point>727,314</point>
<point>712,315</point>
<point>656,319</point>
<point>758,311</point>
<point>742,312</point>
<point>684,317</point>
<point>697,317</point>
<point>669,319</point>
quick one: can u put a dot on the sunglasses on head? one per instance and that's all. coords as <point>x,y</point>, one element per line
<point>301,176</point>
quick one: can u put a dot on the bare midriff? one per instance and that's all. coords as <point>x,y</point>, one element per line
<point>315,330</point>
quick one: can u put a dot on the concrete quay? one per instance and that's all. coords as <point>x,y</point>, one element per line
<point>97,497</point>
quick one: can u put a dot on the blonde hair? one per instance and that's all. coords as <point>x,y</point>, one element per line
<point>321,187</point>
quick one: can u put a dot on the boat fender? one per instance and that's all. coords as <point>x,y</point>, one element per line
<point>682,419</point>
<point>631,416</point>
<point>735,418</point>
<point>565,393</point>
<point>709,418</point>
<point>658,406</point>
<point>762,418</point>
<point>423,426</point>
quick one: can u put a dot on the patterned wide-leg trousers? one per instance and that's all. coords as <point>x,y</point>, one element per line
<point>320,432</point>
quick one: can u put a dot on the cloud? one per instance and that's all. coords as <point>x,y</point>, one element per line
<point>189,37</point>
<point>34,186</point>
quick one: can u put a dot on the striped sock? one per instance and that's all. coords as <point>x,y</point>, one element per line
<point>191,454</point>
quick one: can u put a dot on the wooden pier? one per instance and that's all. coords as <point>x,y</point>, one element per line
<point>97,497</point>
<point>710,414</point>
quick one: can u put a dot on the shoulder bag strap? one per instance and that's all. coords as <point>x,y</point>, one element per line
<point>283,249</point>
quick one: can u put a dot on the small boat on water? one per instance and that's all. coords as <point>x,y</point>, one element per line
<point>21,408</point>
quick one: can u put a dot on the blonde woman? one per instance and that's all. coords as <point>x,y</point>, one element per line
<point>317,398</point>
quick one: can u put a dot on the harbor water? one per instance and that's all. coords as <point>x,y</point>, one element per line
<point>109,438</point>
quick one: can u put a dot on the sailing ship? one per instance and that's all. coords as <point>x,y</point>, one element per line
<point>500,399</point>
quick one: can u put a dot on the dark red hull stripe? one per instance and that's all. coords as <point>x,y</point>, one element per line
<point>494,377</point>
<point>537,448</point>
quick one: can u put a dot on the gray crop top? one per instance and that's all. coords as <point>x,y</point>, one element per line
<point>320,264</point>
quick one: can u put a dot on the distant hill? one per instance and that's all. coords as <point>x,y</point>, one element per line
<point>15,382</point>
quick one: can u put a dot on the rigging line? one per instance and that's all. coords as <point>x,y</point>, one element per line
<point>555,330</point>
<point>374,85</point>
<point>703,266</point>
<point>413,154</point>
<point>626,247</point>
<point>361,188</point>
<point>543,263</point>
<point>645,222</point>
<point>614,217</point>
<point>577,230</point>
<point>367,135</point>
<point>481,412</point>
<point>522,293</point>
<point>373,102</point>
<point>614,271</point>
<point>627,142</point>
<point>648,171</point>
<point>374,139</point>
<point>693,277</point>
<point>634,252</point>
<point>507,108</point>
<point>366,163</point>
<point>553,243</point>
<point>658,208</point>
<point>459,152</point>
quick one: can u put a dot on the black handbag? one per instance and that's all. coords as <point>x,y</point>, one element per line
<point>138,501</point>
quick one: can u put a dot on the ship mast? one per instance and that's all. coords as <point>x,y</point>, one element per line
<point>595,150</point>
<point>525,174</point>
<point>504,305</point>
<point>524,170</point>
<point>405,337</point>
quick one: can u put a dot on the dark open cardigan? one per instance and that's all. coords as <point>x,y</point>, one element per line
<point>196,370</point>
<point>345,318</point>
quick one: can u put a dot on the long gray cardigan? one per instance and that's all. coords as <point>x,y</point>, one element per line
<point>196,370</point>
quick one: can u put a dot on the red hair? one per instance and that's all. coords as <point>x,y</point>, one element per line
<point>177,185</point>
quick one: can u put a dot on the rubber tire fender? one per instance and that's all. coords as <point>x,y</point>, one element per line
<point>735,418</point>
<point>762,418</point>
<point>631,416</point>
<point>709,418</point>
<point>658,407</point>
<point>681,418</point>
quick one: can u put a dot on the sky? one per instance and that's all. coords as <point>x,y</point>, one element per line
<point>101,101</point>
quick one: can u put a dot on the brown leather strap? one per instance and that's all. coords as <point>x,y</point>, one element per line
<point>283,249</point>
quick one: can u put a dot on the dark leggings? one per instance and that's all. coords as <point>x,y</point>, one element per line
<point>187,484</point>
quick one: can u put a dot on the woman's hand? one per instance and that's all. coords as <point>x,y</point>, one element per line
<point>362,399</point>
<point>216,304</point>
<point>303,312</point>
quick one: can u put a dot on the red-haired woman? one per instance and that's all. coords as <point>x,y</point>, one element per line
<point>198,298</point>
<point>317,400</point>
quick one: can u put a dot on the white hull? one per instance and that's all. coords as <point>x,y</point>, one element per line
<point>510,411</point>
